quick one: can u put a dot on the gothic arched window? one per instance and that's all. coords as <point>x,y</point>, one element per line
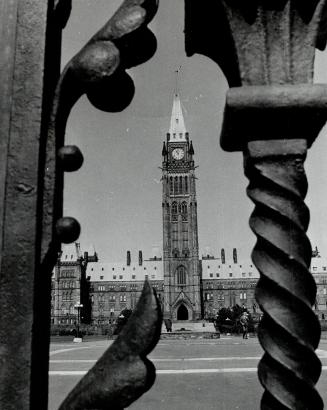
<point>186,185</point>
<point>184,207</point>
<point>180,185</point>
<point>181,275</point>
<point>174,211</point>
<point>171,186</point>
<point>176,185</point>
<point>179,208</point>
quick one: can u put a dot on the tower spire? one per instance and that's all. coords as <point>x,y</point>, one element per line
<point>177,72</point>
<point>177,128</point>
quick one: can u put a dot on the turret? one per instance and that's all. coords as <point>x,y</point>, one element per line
<point>191,149</point>
<point>164,150</point>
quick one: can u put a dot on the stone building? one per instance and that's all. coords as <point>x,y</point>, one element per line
<point>189,287</point>
<point>69,286</point>
<point>181,267</point>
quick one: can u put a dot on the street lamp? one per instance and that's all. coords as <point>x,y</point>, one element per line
<point>77,338</point>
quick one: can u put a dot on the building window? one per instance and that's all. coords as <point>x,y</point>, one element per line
<point>186,185</point>
<point>101,277</point>
<point>243,274</point>
<point>133,276</point>
<point>113,268</point>
<point>171,185</point>
<point>211,275</point>
<point>230,274</point>
<point>153,276</point>
<point>120,276</point>
<point>324,268</point>
<point>181,275</point>
<point>217,275</point>
<point>314,268</point>
<point>180,185</point>
<point>101,288</point>
<point>184,208</point>
<point>102,268</point>
<point>176,185</point>
<point>114,277</point>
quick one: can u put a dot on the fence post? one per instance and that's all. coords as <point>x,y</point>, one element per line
<point>35,102</point>
<point>30,62</point>
<point>273,113</point>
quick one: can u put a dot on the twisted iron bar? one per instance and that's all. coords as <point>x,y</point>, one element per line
<point>289,331</point>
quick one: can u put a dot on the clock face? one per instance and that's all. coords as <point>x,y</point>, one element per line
<point>178,153</point>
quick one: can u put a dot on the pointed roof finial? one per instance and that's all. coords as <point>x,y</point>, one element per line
<point>177,73</point>
<point>177,128</point>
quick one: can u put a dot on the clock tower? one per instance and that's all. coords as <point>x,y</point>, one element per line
<point>182,274</point>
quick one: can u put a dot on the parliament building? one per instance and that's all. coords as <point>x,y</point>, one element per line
<point>188,286</point>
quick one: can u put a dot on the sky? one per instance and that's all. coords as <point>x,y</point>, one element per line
<point>116,195</point>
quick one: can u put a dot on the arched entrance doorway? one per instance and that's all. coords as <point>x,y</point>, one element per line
<point>182,313</point>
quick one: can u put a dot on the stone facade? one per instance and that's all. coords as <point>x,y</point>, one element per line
<point>182,273</point>
<point>108,288</point>
<point>188,287</point>
<point>69,286</point>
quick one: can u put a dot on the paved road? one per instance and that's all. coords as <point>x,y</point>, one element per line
<point>191,375</point>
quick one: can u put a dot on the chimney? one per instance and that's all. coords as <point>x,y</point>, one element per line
<point>78,249</point>
<point>128,260</point>
<point>223,256</point>
<point>140,258</point>
<point>235,255</point>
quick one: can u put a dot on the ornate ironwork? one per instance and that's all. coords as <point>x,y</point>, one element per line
<point>273,114</point>
<point>33,158</point>
<point>123,373</point>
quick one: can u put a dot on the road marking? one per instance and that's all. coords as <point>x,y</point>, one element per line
<point>187,359</point>
<point>158,372</point>
<point>68,350</point>
<point>321,353</point>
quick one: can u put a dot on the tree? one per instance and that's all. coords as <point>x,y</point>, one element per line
<point>228,319</point>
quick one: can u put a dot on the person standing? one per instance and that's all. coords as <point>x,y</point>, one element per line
<point>244,320</point>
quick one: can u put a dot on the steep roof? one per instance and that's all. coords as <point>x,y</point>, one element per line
<point>177,128</point>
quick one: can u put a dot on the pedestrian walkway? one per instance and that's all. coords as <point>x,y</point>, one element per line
<point>194,374</point>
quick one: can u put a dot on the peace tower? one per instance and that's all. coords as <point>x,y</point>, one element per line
<point>182,273</point>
